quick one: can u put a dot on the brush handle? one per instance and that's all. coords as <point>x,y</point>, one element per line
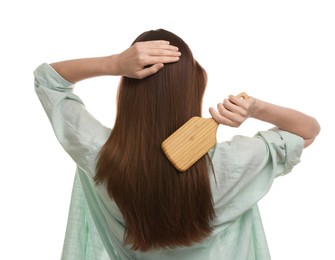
<point>243,95</point>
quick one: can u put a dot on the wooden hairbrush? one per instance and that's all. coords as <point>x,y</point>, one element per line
<point>192,140</point>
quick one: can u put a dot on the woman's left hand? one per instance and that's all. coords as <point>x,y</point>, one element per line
<point>144,59</point>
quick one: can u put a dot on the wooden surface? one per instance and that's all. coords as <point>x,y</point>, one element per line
<point>190,142</point>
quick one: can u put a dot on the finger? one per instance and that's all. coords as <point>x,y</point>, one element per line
<point>239,101</point>
<point>232,116</point>
<point>221,119</point>
<point>143,73</point>
<point>158,44</point>
<point>155,42</point>
<point>233,107</point>
<point>159,59</point>
<point>166,47</point>
<point>164,52</point>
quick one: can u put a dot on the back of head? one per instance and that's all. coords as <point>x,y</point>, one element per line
<point>161,206</point>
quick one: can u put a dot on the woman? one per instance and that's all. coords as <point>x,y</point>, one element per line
<point>128,201</point>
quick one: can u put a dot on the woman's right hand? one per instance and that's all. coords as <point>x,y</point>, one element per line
<point>234,110</point>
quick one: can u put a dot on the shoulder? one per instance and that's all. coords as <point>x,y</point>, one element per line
<point>239,151</point>
<point>274,148</point>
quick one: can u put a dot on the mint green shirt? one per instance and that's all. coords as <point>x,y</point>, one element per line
<point>245,169</point>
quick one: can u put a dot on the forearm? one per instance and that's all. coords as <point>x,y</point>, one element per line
<point>80,69</point>
<point>287,119</point>
<point>139,61</point>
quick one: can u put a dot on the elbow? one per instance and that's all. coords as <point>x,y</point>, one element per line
<point>314,130</point>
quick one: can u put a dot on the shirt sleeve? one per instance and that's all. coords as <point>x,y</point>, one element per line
<point>245,169</point>
<point>284,148</point>
<point>80,134</point>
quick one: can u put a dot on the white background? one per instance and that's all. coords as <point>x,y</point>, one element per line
<point>279,51</point>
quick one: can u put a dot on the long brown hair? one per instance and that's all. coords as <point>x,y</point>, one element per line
<point>162,207</point>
